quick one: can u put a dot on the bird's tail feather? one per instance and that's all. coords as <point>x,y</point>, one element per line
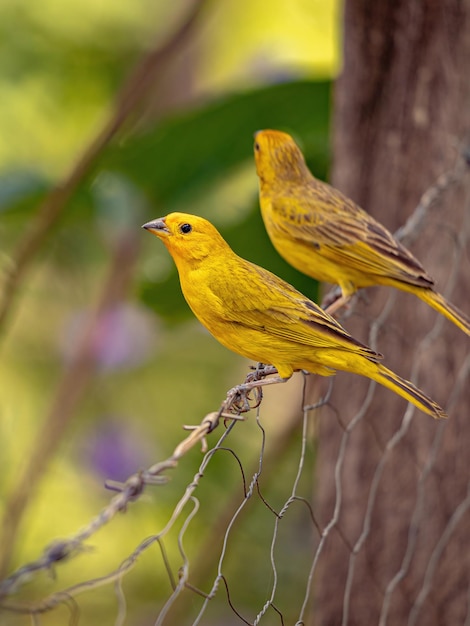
<point>407,390</point>
<point>440,304</point>
<point>353,362</point>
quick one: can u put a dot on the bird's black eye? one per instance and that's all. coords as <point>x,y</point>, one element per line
<point>185,228</point>
<point>257,146</point>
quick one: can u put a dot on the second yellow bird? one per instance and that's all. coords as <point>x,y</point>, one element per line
<point>325,235</point>
<point>258,315</point>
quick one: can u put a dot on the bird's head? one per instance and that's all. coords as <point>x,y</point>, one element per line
<point>188,238</point>
<point>278,158</point>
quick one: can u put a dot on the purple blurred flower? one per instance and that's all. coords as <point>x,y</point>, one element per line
<point>125,337</point>
<point>115,450</point>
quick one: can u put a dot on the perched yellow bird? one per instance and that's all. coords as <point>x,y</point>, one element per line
<point>258,315</point>
<point>325,235</point>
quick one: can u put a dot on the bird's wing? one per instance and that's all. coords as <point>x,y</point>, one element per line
<point>274,306</point>
<point>348,236</point>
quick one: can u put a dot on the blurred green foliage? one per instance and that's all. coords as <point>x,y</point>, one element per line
<point>198,148</point>
<point>186,157</point>
<point>57,85</point>
<point>180,163</point>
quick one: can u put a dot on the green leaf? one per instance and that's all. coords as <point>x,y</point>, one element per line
<point>196,148</point>
<point>187,155</point>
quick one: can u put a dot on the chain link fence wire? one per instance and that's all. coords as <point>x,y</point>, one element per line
<point>258,561</point>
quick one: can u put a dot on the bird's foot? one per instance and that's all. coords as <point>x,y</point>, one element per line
<point>336,304</point>
<point>331,297</point>
<point>259,372</point>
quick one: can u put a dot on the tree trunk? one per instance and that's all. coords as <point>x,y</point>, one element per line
<point>398,551</point>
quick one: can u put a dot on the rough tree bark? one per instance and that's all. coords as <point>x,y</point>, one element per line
<point>402,111</point>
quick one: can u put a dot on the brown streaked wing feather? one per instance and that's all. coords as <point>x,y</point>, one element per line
<point>348,235</point>
<point>281,310</point>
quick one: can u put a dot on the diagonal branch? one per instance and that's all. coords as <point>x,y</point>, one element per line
<point>49,212</point>
<point>68,395</point>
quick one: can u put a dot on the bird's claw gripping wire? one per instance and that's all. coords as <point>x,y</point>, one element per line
<point>259,372</point>
<point>244,400</point>
<point>248,395</point>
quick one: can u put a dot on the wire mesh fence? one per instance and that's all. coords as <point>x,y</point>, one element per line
<point>271,535</point>
<point>239,400</point>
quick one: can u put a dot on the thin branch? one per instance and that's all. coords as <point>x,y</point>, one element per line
<point>52,207</point>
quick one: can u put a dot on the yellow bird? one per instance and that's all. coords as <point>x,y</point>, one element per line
<point>258,315</point>
<point>325,235</point>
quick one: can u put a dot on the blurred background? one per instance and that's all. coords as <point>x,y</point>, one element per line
<point>113,112</point>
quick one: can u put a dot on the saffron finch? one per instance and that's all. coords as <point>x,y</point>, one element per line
<point>258,315</point>
<point>325,235</point>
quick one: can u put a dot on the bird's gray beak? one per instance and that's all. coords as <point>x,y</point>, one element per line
<point>157,227</point>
